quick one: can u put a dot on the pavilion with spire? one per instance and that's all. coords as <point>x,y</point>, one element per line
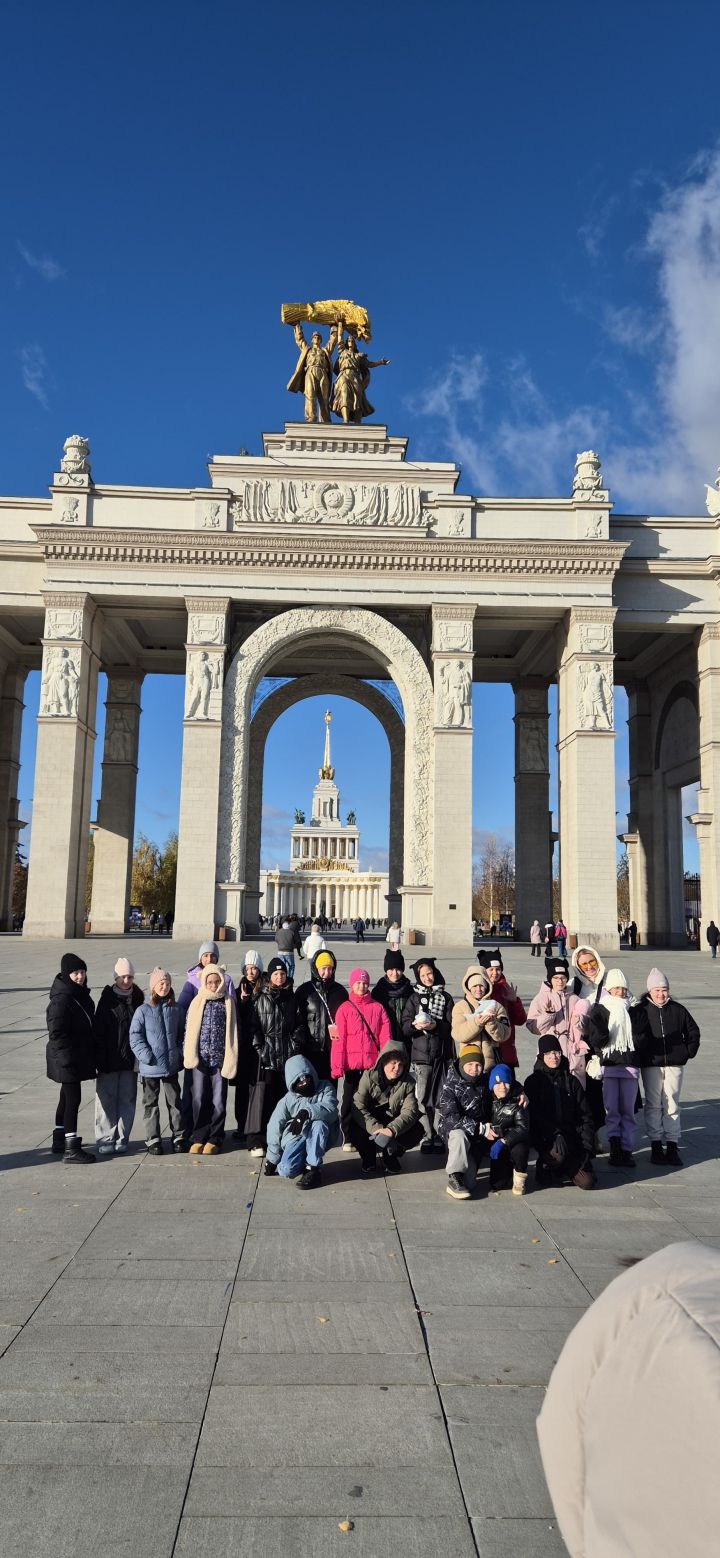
<point>324,876</point>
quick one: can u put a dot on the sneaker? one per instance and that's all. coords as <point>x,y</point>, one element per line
<point>672,1156</point>
<point>257,1152</point>
<point>390,1163</point>
<point>657,1152</point>
<point>105,1148</point>
<point>76,1153</point>
<point>519,1183</point>
<point>58,1140</point>
<point>456,1188</point>
<point>369,1167</point>
<point>196,1147</point>
<point>347,1146</point>
<point>181,1146</point>
<point>210,1148</point>
<point>121,1146</point>
<point>154,1148</point>
<point>309,1179</point>
<point>269,1169</point>
<point>426,1146</point>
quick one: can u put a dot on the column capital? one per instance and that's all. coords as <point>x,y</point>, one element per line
<point>69,616</point>
<point>452,629</point>
<point>207,619</point>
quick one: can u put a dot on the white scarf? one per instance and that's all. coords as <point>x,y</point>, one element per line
<point>620,1034</point>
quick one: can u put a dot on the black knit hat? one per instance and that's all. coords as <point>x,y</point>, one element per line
<point>485,958</point>
<point>557,966</point>
<point>394,960</point>
<point>275,964</point>
<point>70,963</point>
<point>547,1043</point>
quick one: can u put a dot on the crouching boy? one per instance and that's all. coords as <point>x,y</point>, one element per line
<point>303,1125</point>
<point>465,1108</point>
<point>510,1123</point>
<point>385,1113</point>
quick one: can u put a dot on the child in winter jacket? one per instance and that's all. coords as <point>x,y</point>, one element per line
<point>211,1056</point>
<point>510,1122</point>
<point>303,1125</point>
<point>561,1125</point>
<point>464,1110</point>
<point>116,1085</point>
<point>156,1034</point>
<point>673,1040</point>
<point>478,1018</point>
<point>393,989</point>
<point>384,1120</point>
<point>619,1031</point>
<point>557,1009</point>
<point>426,1028</point>
<point>506,994</point>
<point>360,1030</point>
<point>70,1052</point>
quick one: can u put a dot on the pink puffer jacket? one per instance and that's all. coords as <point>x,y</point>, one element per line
<point>356,1049</point>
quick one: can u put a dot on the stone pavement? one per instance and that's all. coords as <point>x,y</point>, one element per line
<point>198,1361</point>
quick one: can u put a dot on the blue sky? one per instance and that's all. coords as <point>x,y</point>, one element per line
<point>526,197</point>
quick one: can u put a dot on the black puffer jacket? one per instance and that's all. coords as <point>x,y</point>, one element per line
<point>317,1006</point>
<point>70,1052</point>
<point>510,1119</point>
<point>112,1029</point>
<point>558,1104</point>
<point>598,1035</point>
<point>674,1036</point>
<point>394,999</point>
<point>463,1105</point>
<point>433,1044</point>
<point>276,1028</point>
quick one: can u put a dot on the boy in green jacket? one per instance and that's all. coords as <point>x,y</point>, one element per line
<point>385,1115</point>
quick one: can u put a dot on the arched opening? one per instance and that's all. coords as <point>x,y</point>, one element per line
<point>675,779</point>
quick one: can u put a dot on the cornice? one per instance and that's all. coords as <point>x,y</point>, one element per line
<point>107,549</point>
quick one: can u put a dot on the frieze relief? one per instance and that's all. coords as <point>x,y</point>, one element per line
<point>204,685</point>
<point>453,694</point>
<point>594,698</point>
<point>296,502</point>
<point>454,637</point>
<point>204,629</point>
<point>595,638</point>
<point>64,624</point>
<point>533,746</point>
<point>60,685</point>
<point>119,737</point>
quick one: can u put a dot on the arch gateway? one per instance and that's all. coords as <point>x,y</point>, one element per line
<point>334,560</point>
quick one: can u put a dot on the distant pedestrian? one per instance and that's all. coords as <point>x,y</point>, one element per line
<point>359,929</point>
<point>713,937</point>
<point>153,922</point>
<point>287,941</point>
<point>70,1052</point>
<point>394,936</point>
<point>536,937</point>
<point>561,937</point>
<point>160,924</point>
<point>116,1086</point>
<point>169,920</point>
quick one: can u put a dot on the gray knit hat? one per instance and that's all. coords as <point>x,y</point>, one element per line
<point>656,978</point>
<point>208,946</point>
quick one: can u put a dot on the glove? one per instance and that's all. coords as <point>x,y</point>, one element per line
<point>298,1121</point>
<point>269,1169</point>
<point>496,1148</point>
<point>559,1150</point>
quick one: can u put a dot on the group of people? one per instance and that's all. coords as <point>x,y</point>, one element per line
<point>546,936</point>
<point>379,1070</point>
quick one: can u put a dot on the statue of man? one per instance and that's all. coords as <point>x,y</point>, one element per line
<point>62,685</point>
<point>352,371</point>
<point>596,700</point>
<point>313,374</point>
<point>200,688</point>
<point>456,693</point>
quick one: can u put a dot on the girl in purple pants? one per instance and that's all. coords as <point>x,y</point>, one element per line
<point>619,1031</point>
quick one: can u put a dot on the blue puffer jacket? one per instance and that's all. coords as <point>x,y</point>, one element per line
<point>320,1105</point>
<point>156,1035</point>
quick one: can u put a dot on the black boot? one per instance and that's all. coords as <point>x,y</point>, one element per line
<point>615,1159</point>
<point>672,1156</point>
<point>309,1179</point>
<point>75,1152</point>
<point>58,1141</point>
<point>626,1159</point>
<point>657,1152</point>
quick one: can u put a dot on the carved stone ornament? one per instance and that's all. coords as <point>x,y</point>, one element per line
<point>455,637</point>
<point>203,686</point>
<point>594,526</point>
<point>712,498</point>
<point>587,481</point>
<point>210,517</point>
<point>60,684</point>
<point>206,629</point>
<point>291,502</point>
<point>595,638</point>
<point>119,737</point>
<point>67,623</point>
<point>413,681</point>
<point>453,681</point>
<point>533,746</point>
<point>70,512</point>
<point>122,690</point>
<point>76,458</point>
<point>594,698</point>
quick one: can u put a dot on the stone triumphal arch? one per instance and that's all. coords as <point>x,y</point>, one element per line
<point>331,561</point>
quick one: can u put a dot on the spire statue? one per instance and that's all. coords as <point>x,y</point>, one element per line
<point>327,771</point>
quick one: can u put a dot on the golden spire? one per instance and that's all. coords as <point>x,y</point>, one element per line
<point>327,771</point>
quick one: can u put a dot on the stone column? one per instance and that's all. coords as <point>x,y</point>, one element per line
<point>452,653</point>
<point>707,817</point>
<point>639,839</point>
<point>12,686</point>
<point>533,849</point>
<point>115,828</point>
<point>200,778</point>
<point>57,880</point>
<point>586,772</point>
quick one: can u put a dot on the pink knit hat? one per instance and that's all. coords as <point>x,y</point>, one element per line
<point>356,974</point>
<point>156,975</point>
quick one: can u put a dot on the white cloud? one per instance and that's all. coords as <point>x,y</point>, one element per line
<point>42,263</point>
<point>33,368</point>
<point>593,231</point>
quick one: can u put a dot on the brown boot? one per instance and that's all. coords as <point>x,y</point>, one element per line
<point>519,1183</point>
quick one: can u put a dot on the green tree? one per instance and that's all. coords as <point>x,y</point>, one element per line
<point>144,890</point>
<point>90,870</point>
<point>20,877</point>
<point>623,888</point>
<point>167,874</point>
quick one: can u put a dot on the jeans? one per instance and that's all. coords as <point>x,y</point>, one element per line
<point>619,1094</point>
<point>288,958</point>
<point>151,1108</point>
<point>464,1155</point>
<point>115,1100</point>
<point>66,1114</point>
<point>209,1103</point>
<point>662,1086</point>
<point>306,1150</point>
<point>561,947</point>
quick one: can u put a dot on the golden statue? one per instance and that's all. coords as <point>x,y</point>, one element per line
<point>313,374</point>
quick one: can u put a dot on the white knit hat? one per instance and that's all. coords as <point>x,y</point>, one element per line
<point>657,980</point>
<point>124,966</point>
<point>615,979</point>
<point>253,960</point>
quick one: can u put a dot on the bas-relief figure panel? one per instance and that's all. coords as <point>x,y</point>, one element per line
<point>297,502</point>
<point>595,698</point>
<point>203,686</point>
<point>533,746</point>
<point>60,684</point>
<point>454,694</point>
<point>119,735</point>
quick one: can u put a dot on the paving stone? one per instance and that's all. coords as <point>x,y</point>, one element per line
<point>102,1387</point>
<point>492,1277</point>
<point>151,1303</point>
<point>397,1490</point>
<point>65,1340</point>
<point>404,1537</point>
<point>307,1292</point>
<point>7,1335</point>
<point>518,1539</point>
<point>97,1444</point>
<point>193,1236</point>
<point>290,1256</point>
<point>63,1511</point>
<point>400,1425</point>
<point>323,1326</point>
<point>496,1450</point>
<point>513,1347</point>
<point>338,1368</point>
<point>125,1268</point>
